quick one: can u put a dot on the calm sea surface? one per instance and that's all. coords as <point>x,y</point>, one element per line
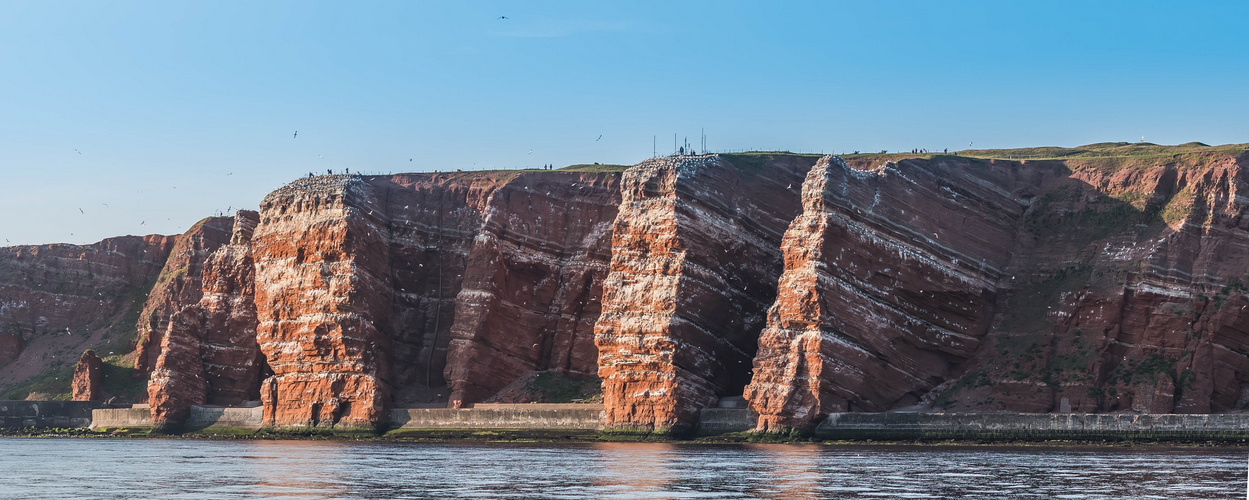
<point>122,468</point>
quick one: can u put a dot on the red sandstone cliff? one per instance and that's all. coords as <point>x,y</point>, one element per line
<point>889,285</point>
<point>86,385</point>
<point>365,282</point>
<point>208,352</point>
<point>1008,286</point>
<point>923,284</point>
<point>695,259</point>
<point>57,301</point>
<point>178,286</point>
<point>533,283</point>
<point>1128,294</point>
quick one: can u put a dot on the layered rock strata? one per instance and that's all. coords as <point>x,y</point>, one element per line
<point>889,284</point>
<point>209,354</point>
<point>695,259</point>
<point>59,300</point>
<point>178,286</point>
<point>322,301</point>
<point>367,281</point>
<point>1129,297</point>
<point>1009,286</point>
<point>533,284</point>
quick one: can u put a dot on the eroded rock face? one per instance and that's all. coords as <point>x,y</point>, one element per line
<point>322,299</point>
<point>695,259</point>
<point>533,283</point>
<point>57,301</point>
<point>1037,287</point>
<point>1131,296</point>
<point>86,385</point>
<point>366,281</point>
<point>889,284</point>
<point>209,353</point>
<point>178,286</point>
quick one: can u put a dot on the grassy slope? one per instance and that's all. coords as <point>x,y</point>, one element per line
<point>54,382</point>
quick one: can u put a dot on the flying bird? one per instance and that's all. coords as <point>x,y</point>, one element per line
<point>142,223</point>
<point>229,174</point>
<point>530,151</point>
<point>296,134</point>
<point>600,136</point>
<point>502,17</point>
<point>81,212</point>
<point>77,151</point>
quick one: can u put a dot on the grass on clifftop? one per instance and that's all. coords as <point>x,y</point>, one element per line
<point>1139,150</point>
<point>594,168</point>
<point>1102,155</point>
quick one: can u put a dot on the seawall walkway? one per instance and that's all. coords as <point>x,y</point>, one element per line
<point>588,419</point>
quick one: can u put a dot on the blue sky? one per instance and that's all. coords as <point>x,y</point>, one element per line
<point>148,116</point>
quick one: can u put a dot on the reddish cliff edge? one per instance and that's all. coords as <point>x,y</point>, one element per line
<point>889,285</point>
<point>1009,286</point>
<point>177,287</point>
<point>695,259</point>
<point>941,283</point>
<point>208,352</point>
<point>59,300</point>
<point>379,291</point>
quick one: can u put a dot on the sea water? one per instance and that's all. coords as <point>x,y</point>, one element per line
<point>186,468</point>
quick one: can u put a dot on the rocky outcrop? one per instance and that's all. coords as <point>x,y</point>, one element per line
<point>889,285</point>
<point>209,353</point>
<point>322,299</point>
<point>177,287</point>
<point>695,259</point>
<point>1088,284</point>
<point>1129,295</point>
<point>86,385</point>
<point>1011,286</point>
<point>367,281</point>
<point>59,300</point>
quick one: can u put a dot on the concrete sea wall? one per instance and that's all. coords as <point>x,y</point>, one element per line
<point>239,418</point>
<point>17,414</point>
<point>722,420</point>
<point>584,417</point>
<point>501,416</point>
<point>201,418</point>
<point>1034,426</point>
<point>112,418</point>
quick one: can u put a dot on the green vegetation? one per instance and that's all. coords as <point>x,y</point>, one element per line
<point>1179,208</point>
<point>53,384</point>
<point>756,162</point>
<point>1031,303</point>
<point>1104,150</point>
<point>553,387</point>
<point>1144,370</point>
<point>971,380</point>
<point>594,168</point>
